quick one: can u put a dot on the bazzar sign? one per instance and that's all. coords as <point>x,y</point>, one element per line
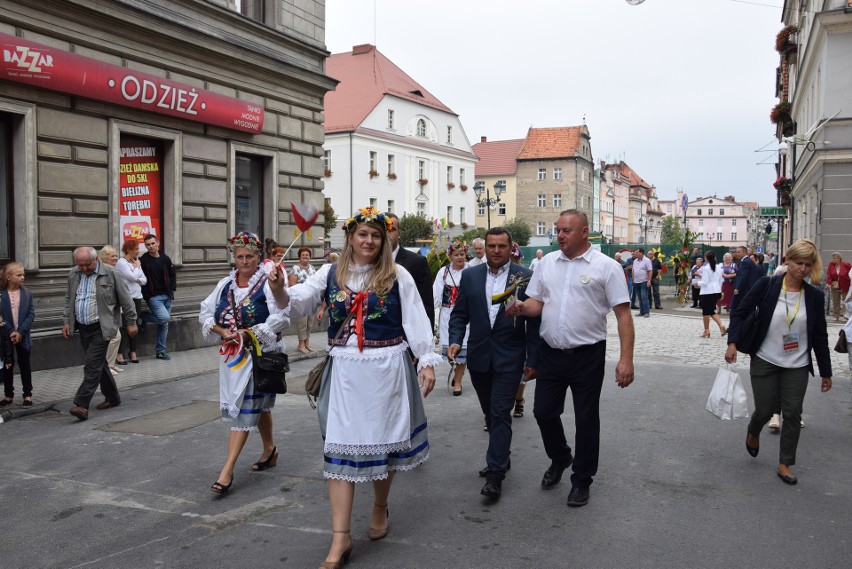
<point>49,68</point>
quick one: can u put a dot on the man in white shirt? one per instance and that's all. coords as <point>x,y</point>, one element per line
<point>573,290</point>
<point>534,263</point>
<point>479,250</point>
<point>642,271</point>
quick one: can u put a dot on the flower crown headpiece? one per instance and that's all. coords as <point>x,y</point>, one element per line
<point>247,240</point>
<point>368,215</point>
<point>457,246</point>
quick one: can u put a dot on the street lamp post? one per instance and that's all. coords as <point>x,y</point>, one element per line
<point>488,202</point>
<point>643,225</point>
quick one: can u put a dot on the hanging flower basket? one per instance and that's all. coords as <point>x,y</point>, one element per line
<point>783,184</point>
<point>391,176</point>
<point>781,113</point>
<point>373,174</point>
<point>450,185</point>
<point>785,38</point>
<point>463,187</point>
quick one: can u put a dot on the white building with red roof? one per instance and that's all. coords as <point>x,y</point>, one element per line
<point>391,143</point>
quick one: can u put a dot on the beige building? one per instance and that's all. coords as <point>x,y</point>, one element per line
<point>498,162</point>
<point>555,172</point>
<point>190,119</point>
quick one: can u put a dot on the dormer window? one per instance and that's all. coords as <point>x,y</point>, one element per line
<point>417,92</point>
<point>421,127</point>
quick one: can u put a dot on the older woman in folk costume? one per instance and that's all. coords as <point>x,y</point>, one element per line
<point>370,410</point>
<point>247,300</point>
<point>445,291</point>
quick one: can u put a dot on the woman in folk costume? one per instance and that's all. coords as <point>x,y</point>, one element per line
<point>370,408</point>
<point>246,302</point>
<point>445,291</point>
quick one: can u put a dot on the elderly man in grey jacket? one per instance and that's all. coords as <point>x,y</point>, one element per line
<point>94,301</point>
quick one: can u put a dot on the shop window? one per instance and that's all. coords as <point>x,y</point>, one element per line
<point>249,194</point>
<point>140,184</point>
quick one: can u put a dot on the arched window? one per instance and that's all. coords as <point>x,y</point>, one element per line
<point>421,127</point>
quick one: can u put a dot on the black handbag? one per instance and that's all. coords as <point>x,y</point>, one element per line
<point>841,346</point>
<point>268,370</point>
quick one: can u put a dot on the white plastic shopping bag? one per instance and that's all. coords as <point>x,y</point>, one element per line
<point>728,399</point>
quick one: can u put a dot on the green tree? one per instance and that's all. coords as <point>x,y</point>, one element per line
<point>471,234</point>
<point>413,227</point>
<point>329,218</point>
<point>672,232</point>
<point>520,231</point>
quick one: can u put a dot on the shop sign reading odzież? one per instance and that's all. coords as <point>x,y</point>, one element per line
<point>42,66</point>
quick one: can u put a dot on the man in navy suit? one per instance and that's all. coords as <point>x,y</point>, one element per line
<point>747,275</point>
<point>416,265</point>
<point>500,350</point>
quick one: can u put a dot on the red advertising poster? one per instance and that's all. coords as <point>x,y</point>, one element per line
<point>50,68</point>
<point>140,188</point>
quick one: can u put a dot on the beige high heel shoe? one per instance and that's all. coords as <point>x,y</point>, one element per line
<point>344,559</point>
<point>375,534</point>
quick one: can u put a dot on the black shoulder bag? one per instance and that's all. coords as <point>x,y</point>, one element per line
<point>268,370</point>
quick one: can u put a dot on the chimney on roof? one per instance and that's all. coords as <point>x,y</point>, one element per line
<point>362,49</point>
<point>483,139</point>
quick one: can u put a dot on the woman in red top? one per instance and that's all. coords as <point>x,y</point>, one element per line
<point>838,282</point>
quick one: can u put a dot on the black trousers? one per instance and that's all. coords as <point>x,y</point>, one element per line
<point>128,342</point>
<point>25,369</point>
<point>654,294</point>
<point>95,368</point>
<point>496,392</point>
<point>582,370</point>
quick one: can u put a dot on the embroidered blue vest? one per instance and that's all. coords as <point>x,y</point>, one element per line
<point>382,315</point>
<point>250,311</point>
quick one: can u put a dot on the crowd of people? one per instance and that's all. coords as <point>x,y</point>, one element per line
<point>504,324</point>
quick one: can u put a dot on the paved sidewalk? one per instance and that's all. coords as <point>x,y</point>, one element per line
<point>55,386</point>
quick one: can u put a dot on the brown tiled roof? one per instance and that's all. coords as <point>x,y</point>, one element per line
<point>498,157</point>
<point>547,143</point>
<point>366,76</point>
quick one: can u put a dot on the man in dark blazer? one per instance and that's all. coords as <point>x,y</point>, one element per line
<point>417,266</point>
<point>747,275</point>
<point>500,350</point>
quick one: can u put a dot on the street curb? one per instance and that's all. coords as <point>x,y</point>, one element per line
<point>9,414</point>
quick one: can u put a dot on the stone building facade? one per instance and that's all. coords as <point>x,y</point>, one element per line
<point>208,120</point>
<point>555,172</point>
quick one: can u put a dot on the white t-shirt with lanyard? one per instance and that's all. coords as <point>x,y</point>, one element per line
<point>786,342</point>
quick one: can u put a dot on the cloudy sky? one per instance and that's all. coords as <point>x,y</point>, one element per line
<point>679,89</point>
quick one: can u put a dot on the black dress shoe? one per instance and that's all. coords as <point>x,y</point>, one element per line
<point>553,475</point>
<point>493,488</point>
<point>752,450</point>
<point>578,497</point>
<point>791,480</point>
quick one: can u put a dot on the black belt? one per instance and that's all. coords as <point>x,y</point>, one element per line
<point>81,325</point>
<point>569,351</point>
